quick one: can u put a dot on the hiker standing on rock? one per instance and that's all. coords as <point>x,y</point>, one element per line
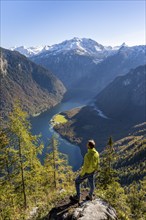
<point>90,166</point>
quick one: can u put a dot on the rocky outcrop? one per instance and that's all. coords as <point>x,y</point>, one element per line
<point>93,210</point>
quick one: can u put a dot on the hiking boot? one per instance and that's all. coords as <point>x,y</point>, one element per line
<point>88,197</point>
<point>75,198</point>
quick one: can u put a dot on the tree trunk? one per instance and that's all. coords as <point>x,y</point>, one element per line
<point>54,164</point>
<point>22,176</point>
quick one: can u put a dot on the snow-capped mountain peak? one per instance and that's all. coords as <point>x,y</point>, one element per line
<point>30,51</point>
<point>79,46</point>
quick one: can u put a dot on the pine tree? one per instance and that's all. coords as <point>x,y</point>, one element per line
<point>7,196</point>
<point>58,171</point>
<point>107,186</point>
<point>137,198</point>
<point>4,155</point>
<point>24,150</point>
<point>107,173</point>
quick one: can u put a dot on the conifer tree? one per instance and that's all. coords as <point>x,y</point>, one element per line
<point>7,196</point>
<point>107,173</point>
<point>108,187</point>
<point>25,150</point>
<point>58,171</point>
<point>4,155</point>
<point>137,198</point>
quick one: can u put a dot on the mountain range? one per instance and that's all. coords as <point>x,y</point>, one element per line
<point>81,45</point>
<point>118,64</point>
<point>73,59</point>
<point>86,67</point>
<point>29,51</point>
<point>37,88</point>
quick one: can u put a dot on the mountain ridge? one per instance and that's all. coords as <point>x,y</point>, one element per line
<point>78,61</point>
<point>128,92</point>
<point>36,88</point>
<point>74,43</point>
<point>76,68</point>
<point>112,66</point>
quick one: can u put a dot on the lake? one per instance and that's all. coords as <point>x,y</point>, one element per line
<point>41,125</point>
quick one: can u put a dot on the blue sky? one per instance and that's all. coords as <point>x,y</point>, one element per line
<point>45,22</point>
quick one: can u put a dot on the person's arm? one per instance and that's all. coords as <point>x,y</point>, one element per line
<point>85,166</point>
<point>97,163</point>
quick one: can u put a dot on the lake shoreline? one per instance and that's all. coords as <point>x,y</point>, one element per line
<point>41,124</point>
<point>45,110</point>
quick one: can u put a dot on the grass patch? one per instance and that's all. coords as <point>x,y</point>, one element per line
<point>58,119</point>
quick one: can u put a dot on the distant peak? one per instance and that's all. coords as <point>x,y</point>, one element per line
<point>124,45</point>
<point>77,39</point>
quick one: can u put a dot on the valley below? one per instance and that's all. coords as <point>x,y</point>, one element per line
<point>41,124</point>
<point>85,123</point>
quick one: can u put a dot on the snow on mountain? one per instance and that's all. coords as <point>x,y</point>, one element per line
<point>30,51</point>
<point>82,46</point>
<point>79,45</point>
<point>133,50</point>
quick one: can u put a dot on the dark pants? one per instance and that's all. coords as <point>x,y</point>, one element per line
<point>80,179</point>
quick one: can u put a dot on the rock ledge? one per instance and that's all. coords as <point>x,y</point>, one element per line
<point>88,210</point>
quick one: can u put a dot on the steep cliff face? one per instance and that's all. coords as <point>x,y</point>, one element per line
<point>125,96</point>
<point>36,88</point>
<point>69,67</point>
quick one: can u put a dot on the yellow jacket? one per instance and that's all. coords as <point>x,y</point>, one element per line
<point>91,162</point>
